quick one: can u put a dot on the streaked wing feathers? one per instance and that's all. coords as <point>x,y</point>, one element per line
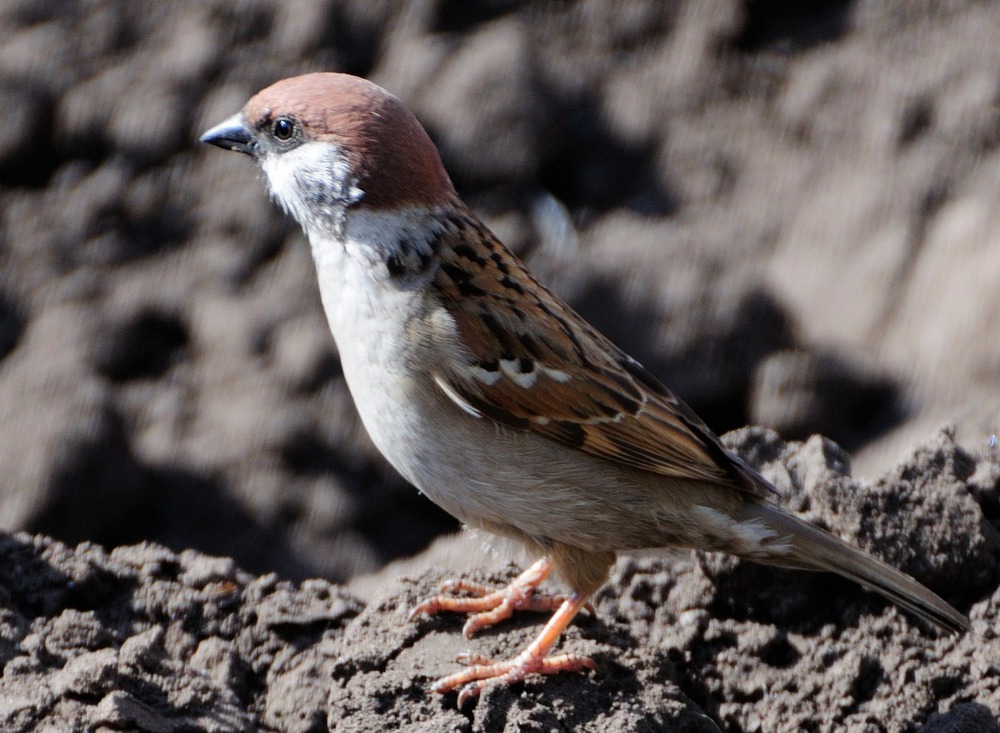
<point>533,364</point>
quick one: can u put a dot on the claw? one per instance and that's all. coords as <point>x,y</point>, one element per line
<point>482,672</point>
<point>507,673</point>
<point>491,607</point>
<point>471,658</point>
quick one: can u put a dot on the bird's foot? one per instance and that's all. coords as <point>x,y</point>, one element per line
<point>483,672</point>
<point>490,607</point>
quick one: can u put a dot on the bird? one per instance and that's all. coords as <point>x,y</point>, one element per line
<point>492,396</point>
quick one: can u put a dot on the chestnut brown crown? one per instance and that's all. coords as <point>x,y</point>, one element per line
<point>391,158</point>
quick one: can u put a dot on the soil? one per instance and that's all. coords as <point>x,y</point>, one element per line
<point>144,638</point>
<point>787,212</point>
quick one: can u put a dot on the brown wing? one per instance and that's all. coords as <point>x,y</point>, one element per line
<point>534,364</point>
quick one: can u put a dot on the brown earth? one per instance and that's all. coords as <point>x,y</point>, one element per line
<point>143,638</point>
<point>787,211</point>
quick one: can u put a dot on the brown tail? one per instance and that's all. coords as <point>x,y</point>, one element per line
<point>810,548</point>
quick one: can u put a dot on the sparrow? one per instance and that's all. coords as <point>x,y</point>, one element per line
<point>491,395</point>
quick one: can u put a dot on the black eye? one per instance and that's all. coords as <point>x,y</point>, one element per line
<point>283,128</point>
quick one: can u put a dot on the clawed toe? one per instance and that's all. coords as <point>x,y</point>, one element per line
<point>483,673</point>
<point>489,607</point>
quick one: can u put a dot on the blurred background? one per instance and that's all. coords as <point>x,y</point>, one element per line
<point>786,210</point>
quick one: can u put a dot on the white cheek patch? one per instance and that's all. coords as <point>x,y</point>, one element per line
<point>312,183</point>
<point>281,182</point>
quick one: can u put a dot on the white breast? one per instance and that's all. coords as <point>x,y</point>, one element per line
<point>483,473</point>
<point>380,337</point>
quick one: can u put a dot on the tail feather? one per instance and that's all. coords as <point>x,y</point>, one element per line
<point>796,544</point>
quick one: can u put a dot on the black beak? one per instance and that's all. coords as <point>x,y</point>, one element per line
<point>231,135</point>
